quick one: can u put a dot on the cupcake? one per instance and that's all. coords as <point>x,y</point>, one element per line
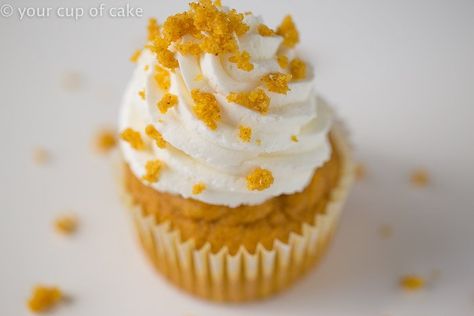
<point>234,169</point>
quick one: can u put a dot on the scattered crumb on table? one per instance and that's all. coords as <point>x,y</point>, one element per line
<point>385,231</point>
<point>72,81</point>
<point>44,298</point>
<point>105,141</point>
<point>420,178</point>
<point>41,156</point>
<point>66,224</point>
<point>412,283</point>
<point>360,172</point>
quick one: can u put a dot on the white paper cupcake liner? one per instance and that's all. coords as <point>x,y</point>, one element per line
<point>244,276</point>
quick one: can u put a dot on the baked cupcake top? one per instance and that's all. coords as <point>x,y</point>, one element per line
<point>222,110</point>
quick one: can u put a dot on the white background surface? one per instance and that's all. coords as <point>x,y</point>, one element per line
<point>401,73</point>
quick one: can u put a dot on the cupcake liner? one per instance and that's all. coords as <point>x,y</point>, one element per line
<point>244,276</point>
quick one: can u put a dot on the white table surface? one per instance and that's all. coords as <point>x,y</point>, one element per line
<point>401,73</point>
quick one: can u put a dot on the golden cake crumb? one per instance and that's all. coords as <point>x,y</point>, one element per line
<point>412,283</point>
<point>162,78</point>
<point>360,172</point>
<point>420,178</point>
<point>135,56</point>
<point>41,156</point>
<point>282,61</point>
<point>298,69</point>
<point>218,3</point>
<point>259,179</point>
<point>153,170</point>
<point>66,224</point>
<point>294,138</point>
<point>264,30</point>
<point>154,134</point>
<point>198,78</point>
<point>277,82</point>
<point>105,140</point>
<point>288,30</point>
<point>164,56</point>
<point>245,133</point>
<point>44,298</point>
<point>189,48</point>
<point>153,29</point>
<point>133,138</point>
<point>142,94</point>
<point>206,108</point>
<point>385,231</point>
<point>198,188</point>
<point>242,60</point>
<point>167,102</point>
<point>256,100</point>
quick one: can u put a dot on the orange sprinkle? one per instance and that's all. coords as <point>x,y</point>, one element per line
<point>105,141</point>
<point>142,95</point>
<point>189,48</point>
<point>136,55</point>
<point>412,283</point>
<point>167,101</point>
<point>277,82</point>
<point>264,30</point>
<point>198,188</point>
<point>245,133</point>
<point>206,108</point>
<point>294,138</point>
<point>242,60</point>
<point>288,30</point>
<point>153,133</point>
<point>420,178</point>
<point>162,78</point>
<point>66,225</point>
<point>44,298</point>
<point>298,69</point>
<point>153,29</point>
<point>259,179</point>
<point>282,61</point>
<point>153,170</point>
<point>133,138</point>
<point>256,100</point>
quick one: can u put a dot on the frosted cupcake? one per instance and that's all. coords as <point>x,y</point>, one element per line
<point>234,169</point>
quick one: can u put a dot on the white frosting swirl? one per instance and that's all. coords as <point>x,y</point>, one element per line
<point>218,158</point>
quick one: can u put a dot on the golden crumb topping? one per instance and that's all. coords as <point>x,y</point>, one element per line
<point>133,138</point>
<point>420,178</point>
<point>105,141</point>
<point>142,94</point>
<point>218,3</point>
<point>277,82</point>
<point>189,48</point>
<point>288,30</point>
<point>298,69</point>
<point>412,282</point>
<point>153,170</point>
<point>245,133</point>
<point>198,188</point>
<point>259,179</point>
<point>282,61</point>
<point>167,101</point>
<point>153,29</point>
<point>242,60</point>
<point>256,100</point>
<point>66,224</point>
<point>135,56</point>
<point>153,133</point>
<point>162,78</point>
<point>264,30</point>
<point>294,138</point>
<point>206,108</point>
<point>177,26</point>
<point>44,298</point>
